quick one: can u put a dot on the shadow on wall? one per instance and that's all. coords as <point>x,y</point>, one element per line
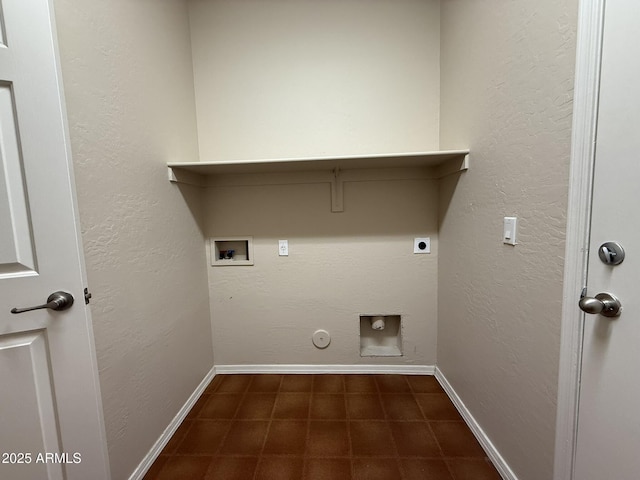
<point>193,199</point>
<point>371,208</point>
<point>446,190</point>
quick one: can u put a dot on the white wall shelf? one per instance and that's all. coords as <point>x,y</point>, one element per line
<point>429,164</point>
<point>456,160</point>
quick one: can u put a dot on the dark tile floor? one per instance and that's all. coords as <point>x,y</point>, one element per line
<point>323,427</point>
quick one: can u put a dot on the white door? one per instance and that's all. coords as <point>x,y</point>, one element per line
<point>608,439</point>
<point>51,423</point>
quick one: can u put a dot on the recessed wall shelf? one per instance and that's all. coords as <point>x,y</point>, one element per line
<point>242,172</point>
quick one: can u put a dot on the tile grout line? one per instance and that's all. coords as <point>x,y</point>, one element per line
<point>348,418</point>
<point>393,439</point>
<point>433,433</point>
<point>266,435</point>
<point>308,434</point>
<point>218,451</point>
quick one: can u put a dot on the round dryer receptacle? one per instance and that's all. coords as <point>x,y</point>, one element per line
<point>321,338</point>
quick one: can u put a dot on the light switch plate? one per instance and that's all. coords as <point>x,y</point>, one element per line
<point>509,230</point>
<point>422,245</point>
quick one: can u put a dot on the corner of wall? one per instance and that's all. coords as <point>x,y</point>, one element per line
<point>128,82</point>
<point>507,79</point>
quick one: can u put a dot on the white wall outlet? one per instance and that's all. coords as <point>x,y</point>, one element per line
<point>283,248</point>
<point>509,231</point>
<point>422,245</point>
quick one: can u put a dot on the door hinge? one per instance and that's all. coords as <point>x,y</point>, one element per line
<point>87,296</point>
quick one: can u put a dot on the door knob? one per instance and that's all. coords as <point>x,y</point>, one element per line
<point>56,301</point>
<point>603,303</point>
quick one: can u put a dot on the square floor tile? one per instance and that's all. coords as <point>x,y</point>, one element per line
<point>456,440</point>
<point>232,468</point>
<point>328,439</point>
<point>279,468</point>
<point>437,406</point>
<point>245,437</point>
<point>204,436</point>
<point>361,406</point>
<point>215,383</point>
<point>154,471</point>
<point>392,384</point>
<point>401,407</point>
<point>370,438</point>
<point>191,467</point>
<point>424,384</point>
<point>286,437</point>
<point>414,439</point>
<point>328,406</point>
<point>195,410</point>
<point>296,383</point>
<point>229,384</point>
<point>292,405</point>
<point>468,469</point>
<point>424,469</point>
<point>220,405</point>
<point>255,406</point>
<point>327,469</point>
<point>360,384</point>
<point>265,383</point>
<point>375,469</point>
<point>177,437</point>
<point>328,383</point>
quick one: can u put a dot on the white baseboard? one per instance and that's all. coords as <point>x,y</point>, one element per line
<point>345,369</point>
<point>150,457</point>
<point>490,449</point>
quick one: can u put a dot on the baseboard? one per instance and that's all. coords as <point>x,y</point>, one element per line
<point>317,369</point>
<point>150,457</point>
<point>490,449</point>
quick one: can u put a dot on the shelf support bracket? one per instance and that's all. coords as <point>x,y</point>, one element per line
<point>455,166</point>
<point>179,176</point>
<point>337,192</point>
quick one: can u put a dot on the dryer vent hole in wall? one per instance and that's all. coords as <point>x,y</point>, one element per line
<point>321,339</point>
<point>380,336</point>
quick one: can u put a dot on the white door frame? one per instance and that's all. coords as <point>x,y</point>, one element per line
<point>585,112</point>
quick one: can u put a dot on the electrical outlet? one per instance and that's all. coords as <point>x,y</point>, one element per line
<point>283,248</point>
<point>422,245</point>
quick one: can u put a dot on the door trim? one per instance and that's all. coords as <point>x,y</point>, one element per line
<point>583,139</point>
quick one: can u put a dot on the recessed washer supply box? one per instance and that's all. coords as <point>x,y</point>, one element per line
<point>231,251</point>
<point>381,343</point>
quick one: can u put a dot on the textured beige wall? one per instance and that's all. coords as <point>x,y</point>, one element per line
<point>507,79</point>
<point>129,89</point>
<point>289,78</point>
<point>340,265</point>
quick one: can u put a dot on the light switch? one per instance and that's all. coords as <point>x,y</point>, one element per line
<point>509,232</point>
